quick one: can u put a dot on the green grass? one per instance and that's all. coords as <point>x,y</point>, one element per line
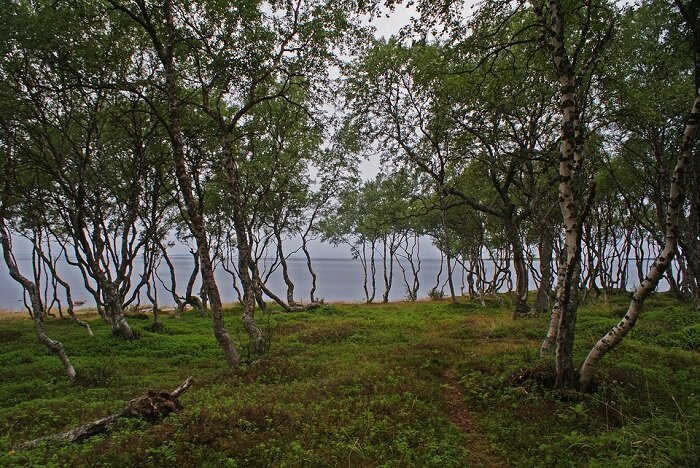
<point>358,385</point>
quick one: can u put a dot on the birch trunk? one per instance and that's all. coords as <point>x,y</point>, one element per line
<point>184,183</point>
<point>662,261</point>
<point>115,311</point>
<point>388,272</point>
<point>257,340</point>
<point>305,248</point>
<point>363,260</point>
<point>570,158</point>
<point>285,268</point>
<point>522,309</point>
<point>547,346</point>
<point>373,271</point>
<point>69,296</point>
<point>545,253</point>
<point>173,281</point>
<point>37,308</point>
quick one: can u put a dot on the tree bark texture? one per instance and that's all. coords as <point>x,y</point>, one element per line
<point>196,219</point>
<point>257,340</point>
<point>153,406</point>
<point>37,308</point>
<point>662,261</point>
<point>570,157</point>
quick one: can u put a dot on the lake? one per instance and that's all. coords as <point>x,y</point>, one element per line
<point>339,279</point>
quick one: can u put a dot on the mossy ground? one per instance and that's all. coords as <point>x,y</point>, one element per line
<point>422,384</point>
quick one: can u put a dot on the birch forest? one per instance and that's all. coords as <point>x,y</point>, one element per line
<point>503,194</point>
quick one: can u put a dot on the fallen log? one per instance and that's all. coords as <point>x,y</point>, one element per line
<point>304,307</point>
<point>153,407</point>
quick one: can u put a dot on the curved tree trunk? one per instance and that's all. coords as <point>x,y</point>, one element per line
<point>37,309</point>
<point>69,296</point>
<point>573,208</point>
<point>547,346</point>
<point>312,292</point>
<point>245,262</point>
<point>285,269</point>
<point>166,55</point>
<point>543,292</point>
<point>450,279</point>
<point>522,284</point>
<point>373,272</point>
<point>388,271</point>
<point>179,304</point>
<point>362,256</point>
<point>663,260</point>
<point>115,311</point>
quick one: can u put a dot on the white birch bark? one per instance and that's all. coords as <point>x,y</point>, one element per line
<point>656,271</point>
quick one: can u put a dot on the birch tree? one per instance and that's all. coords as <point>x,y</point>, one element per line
<point>689,11</point>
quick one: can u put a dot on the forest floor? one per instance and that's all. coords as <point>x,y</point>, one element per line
<point>401,384</point>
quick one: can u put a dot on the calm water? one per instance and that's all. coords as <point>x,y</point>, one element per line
<point>338,280</point>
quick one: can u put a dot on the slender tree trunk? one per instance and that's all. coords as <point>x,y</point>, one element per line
<point>196,220</point>
<point>107,291</point>
<point>549,342</point>
<point>245,261</point>
<point>152,295</point>
<point>447,247</point>
<point>388,270</point>
<point>450,280</point>
<point>663,260</point>
<point>179,304</point>
<point>190,298</point>
<point>411,253</point>
<point>71,308</point>
<point>363,260</point>
<point>304,247</point>
<point>573,211</point>
<point>522,286</point>
<point>416,269</point>
<point>437,291</point>
<point>258,289</point>
<point>69,296</point>
<point>373,272</point>
<point>37,308</point>
<point>545,253</point>
<point>285,270</point>
<point>470,282</point>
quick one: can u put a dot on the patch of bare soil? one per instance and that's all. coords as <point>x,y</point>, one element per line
<point>480,451</point>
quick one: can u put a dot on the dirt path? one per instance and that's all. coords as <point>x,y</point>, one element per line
<point>476,444</point>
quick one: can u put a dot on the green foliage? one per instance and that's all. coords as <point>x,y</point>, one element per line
<point>436,294</point>
<point>363,385</point>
